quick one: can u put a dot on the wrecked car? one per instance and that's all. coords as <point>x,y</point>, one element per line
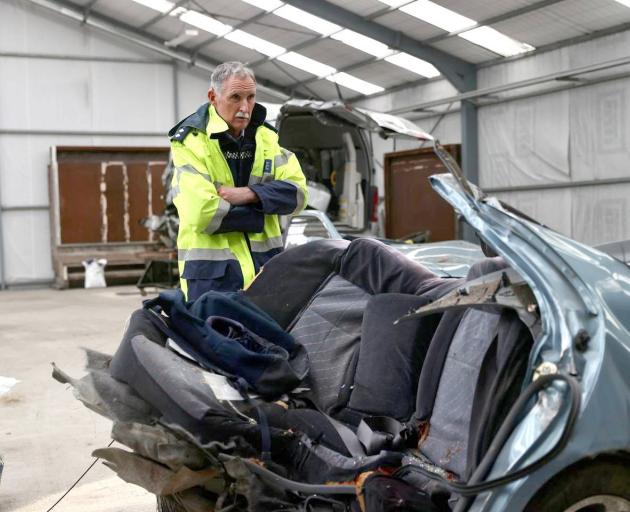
<point>381,385</point>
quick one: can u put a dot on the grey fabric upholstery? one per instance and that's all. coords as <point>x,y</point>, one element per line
<point>330,330</point>
<point>447,442</point>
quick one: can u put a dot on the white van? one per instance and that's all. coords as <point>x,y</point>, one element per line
<point>333,142</point>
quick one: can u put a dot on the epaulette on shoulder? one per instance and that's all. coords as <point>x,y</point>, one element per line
<point>180,134</point>
<point>270,126</point>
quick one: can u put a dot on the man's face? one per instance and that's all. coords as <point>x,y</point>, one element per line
<point>235,102</point>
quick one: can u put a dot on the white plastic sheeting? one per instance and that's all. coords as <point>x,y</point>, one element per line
<point>593,215</point>
<point>572,136</point>
<point>524,142</point>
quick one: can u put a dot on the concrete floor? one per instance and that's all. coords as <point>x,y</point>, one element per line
<point>46,435</point>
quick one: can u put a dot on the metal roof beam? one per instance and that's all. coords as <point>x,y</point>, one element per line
<point>457,71</point>
<point>497,19</point>
<point>147,41</point>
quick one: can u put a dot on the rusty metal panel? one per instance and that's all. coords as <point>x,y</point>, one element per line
<point>103,193</point>
<point>79,205</point>
<point>411,205</point>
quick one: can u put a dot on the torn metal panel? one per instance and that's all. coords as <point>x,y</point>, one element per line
<point>154,477</point>
<point>501,289</point>
<point>108,397</point>
<point>153,442</point>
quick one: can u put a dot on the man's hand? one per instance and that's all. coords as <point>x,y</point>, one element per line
<point>237,195</point>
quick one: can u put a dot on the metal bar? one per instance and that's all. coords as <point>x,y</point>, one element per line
<point>496,19</point>
<point>86,58</point>
<point>456,70</point>
<point>506,99</point>
<point>86,133</point>
<point>555,186</point>
<point>24,208</point>
<point>502,60</point>
<point>175,93</point>
<point>145,40</point>
<point>313,40</point>
<point>432,40</point>
<point>478,93</point>
<point>558,44</point>
<point>2,255</point>
<point>209,41</point>
<point>158,17</point>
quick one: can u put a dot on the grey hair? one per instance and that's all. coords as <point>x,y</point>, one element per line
<point>226,70</point>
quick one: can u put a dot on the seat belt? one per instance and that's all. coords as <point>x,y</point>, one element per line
<point>378,433</point>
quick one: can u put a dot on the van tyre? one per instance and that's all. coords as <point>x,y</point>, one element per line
<point>600,485</point>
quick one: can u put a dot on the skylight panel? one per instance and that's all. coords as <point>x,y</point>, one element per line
<point>363,43</point>
<point>495,41</point>
<point>205,22</point>
<point>394,3</point>
<point>255,43</point>
<point>437,15</point>
<point>303,18</point>
<point>305,64</point>
<point>354,83</point>
<point>265,5</point>
<point>413,64</point>
<point>162,6</point>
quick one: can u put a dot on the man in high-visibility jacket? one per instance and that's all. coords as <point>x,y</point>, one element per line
<point>231,182</point>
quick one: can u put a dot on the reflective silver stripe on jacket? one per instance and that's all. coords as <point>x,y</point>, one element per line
<point>282,158</point>
<point>205,254</point>
<point>300,198</point>
<point>266,245</point>
<point>222,211</point>
<point>191,170</point>
<point>253,180</point>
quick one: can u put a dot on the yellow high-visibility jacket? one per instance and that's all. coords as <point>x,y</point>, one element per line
<point>220,246</point>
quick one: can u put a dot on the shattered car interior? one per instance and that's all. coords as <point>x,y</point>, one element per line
<point>348,377</point>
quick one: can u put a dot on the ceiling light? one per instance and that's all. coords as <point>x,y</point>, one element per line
<point>624,2</point>
<point>394,3</point>
<point>205,22</point>
<point>413,64</point>
<point>354,83</point>
<point>303,18</point>
<point>255,43</point>
<point>437,15</point>
<point>265,5</point>
<point>189,33</point>
<point>495,41</point>
<point>361,42</point>
<point>159,5</point>
<point>178,11</point>
<point>305,64</point>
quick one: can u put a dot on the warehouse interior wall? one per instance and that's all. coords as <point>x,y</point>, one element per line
<point>543,153</point>
<point>65,84</point>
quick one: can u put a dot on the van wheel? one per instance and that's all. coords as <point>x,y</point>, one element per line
<point>600,485</point>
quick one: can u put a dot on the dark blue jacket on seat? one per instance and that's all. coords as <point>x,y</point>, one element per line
<point>227,333</point>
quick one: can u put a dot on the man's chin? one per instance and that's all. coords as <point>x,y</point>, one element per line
<point>241,123</point>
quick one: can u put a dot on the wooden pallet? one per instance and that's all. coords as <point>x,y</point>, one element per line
<point>125,262</point>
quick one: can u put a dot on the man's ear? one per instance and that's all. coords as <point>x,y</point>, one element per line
<point>212,96</point>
